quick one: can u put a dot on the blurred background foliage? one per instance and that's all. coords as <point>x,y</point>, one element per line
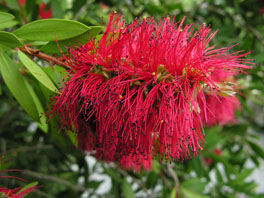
<point>231,155</point>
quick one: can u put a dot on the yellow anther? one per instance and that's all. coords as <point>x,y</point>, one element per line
<point>79,54</point>
<point>161,121</point>
<point>121,28</point>
<point>120,96</point>
<point>169,18</point>
<point>204,23</point>
<point>181,30</point>
<point>207,75</point>
<point>115,12</point>
<point>144,17</point>
<point>153,73</point>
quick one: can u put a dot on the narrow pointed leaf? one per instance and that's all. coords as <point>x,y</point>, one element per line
<point>51,30</point>
<point>4,17</point>
<point>7,24</point>
<point>27,187</point>
<point>37,72</point>
<point>41,112</point>
<point>173,193</point>
<point>9,39</point>
<point>190,194</point>
<point>16,84</point>
<point>256,148</point>
<point>127,189</point>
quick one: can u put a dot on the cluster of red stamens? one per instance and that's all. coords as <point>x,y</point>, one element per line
<point>147,88</point>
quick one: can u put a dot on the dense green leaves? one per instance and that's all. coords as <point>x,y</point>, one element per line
<point>9,39</point>
<point>37,72</point>
<point>53,155</point>
<point>51,30</point>
<point>16,84</point>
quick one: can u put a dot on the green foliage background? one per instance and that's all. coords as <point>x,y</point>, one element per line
<point>63,171</point>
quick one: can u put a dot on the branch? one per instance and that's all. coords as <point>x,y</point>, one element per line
<point>83,9</point>
<point>136,180</point>
<point>174,176</point>
<point>22,14</point>
<point>166,181</point>
<point>26,148</point>
<point>37,53</point>
<point>66,183</point>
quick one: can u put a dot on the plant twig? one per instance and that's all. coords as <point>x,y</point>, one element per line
<point>165,179</point>
<point>66,183</point>
<point>83,9</point>
<point>37,53</point>
<point>26,148</point>
<point>176,180</point>
<point>22,13</point>
<point>136,180</point>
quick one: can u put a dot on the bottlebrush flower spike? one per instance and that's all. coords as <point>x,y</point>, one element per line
<point>143,89</point>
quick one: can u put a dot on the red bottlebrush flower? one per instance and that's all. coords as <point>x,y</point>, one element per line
<point>208,161</point>
<point>43,13</point>
<point>22,2</point>
<point>218,151</point>
<point>221,110</point>
<point>144,89</point>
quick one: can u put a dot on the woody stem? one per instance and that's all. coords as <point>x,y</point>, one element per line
<point>176,180</point>
<point>37,53</point>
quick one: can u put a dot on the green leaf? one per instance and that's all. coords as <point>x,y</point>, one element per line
<point>212,137</point>
<point>73,138</point>
<point>113,174</point>
<point>173,193</point>
<point>16,84</point>
<point>9,39</point>
<point>152,180</point>
<point>27,187</point>
<point>127,189</point>
<point>37,72</point>
<point>51,30</point>
<point>7,24</point>
<point>190,194</point>
<point>194,184</point>
<point>52,46</point>
<point>4,17</point>
<point>241,176</point>
<point>256,148</point>
<point>197,166</point>
<point>156,166</point>
<point>94,184</point>
<point>43,118</point>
